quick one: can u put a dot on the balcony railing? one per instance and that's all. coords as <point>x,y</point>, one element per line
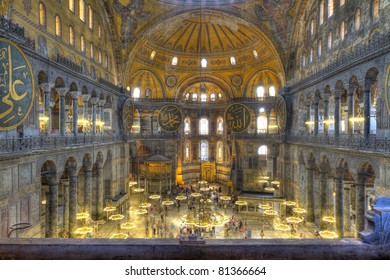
<point>11,145</point>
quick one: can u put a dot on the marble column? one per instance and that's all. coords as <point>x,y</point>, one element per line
<point>65,186</point>
<point>100,190</point>
<point>85,98</point>
<point>339,215</point>
<point>367,109</point>
<point>46,87</point>
<point>316,116</point>
<point>101,103</point>
<point>52,205</point>
<point>323,197</point>
<point>72,200</point>
<point>360,202</point>
<point>326,116</point>
<point>62,93</point>
<point>310,194</point>
<point>151,124</point>
<point>88,187</point>
<point>75,97</point>
<point>347,208</point>
<point>308,117</point>
<point>94,101</point>
<point>267,123</point>
<point>351,91</point>
<point>337,114</point>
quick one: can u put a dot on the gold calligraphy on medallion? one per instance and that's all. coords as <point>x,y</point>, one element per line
<point>237,117</point>
<point>170,118</point>
<point>128,115</point>
<point>16,85</point>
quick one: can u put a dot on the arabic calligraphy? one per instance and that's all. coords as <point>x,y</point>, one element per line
<point>128,115</point>
<point>16,86</point>
<point>170,118</point>
<point>281,114</point>
<point>237,117</point>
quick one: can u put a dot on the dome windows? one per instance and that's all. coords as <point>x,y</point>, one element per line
<point>260,91</point>
<point>203,63</point>
<point>255,54</point>
<point>137,93</point>
<point>152,55</point>
<point>174,61</point>
<point>271,91</point>
<point>232,60</point>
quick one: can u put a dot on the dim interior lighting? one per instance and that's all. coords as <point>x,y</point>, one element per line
<point>155,196</point>
<point>82,215</point>
<point>328,234</point>
<point>299,210</point>
<point>83,121</point>
<point>329,121</point>
<point>145,205</point>
<point>116,217</point>
<point>119,236</point>
<point>43,118</point>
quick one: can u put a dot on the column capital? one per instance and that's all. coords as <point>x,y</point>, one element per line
<point>94,100</point>
<point>339,172</point>
<point>86,97</point>
<point>62,91</point>
<point>338,92</point>
<point>52,178</point>
<point>101,102</point>
<point>46,87</point>
<point>352,88</point>
<point>75,94</point>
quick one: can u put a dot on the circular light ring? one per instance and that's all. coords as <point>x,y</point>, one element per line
<point>84,230</point>
<point>109,208</point>
<point>196,195</point>
<point>181,197</point>
<point>299,210</point>
<point>265,206</point>
<point>167,202</point>
<point>328,234</point>
<point>225,198</point>
<point>155,196</point>
<point>138,190</point>
<point>82,215</point>
<point>294,220</point>
<point>289,203</point>
<point>145,205</point>
<point>119,236</point>
<point>241,203</point>
<point>269,189</point>
<point>127,225</point>
<point>140,211</point>
<point>270,212</point>
<point>329,219</point>
<point>116,217</point>
<point>275,182</point>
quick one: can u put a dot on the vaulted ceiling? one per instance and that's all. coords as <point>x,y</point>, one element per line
<point>194,29</point>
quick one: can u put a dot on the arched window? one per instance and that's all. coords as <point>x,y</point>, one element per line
<point>100,57</point>
<point>71,5</point>
<point>204,150</point>
<point>263,151</point>
<point>330,8</point>
<point>42,15</point>
<point>260,91</point>
<point>187,152</point>
<point>311,55</point>
<point>271,91</point>
<point>92,51</point>
<point>330,41</point>
<point>322,6</point>
<point>203,97</point>
<point>99,31</point>
<point>82,10</point>
<point>82,43</point>
<point>71,36</point>
<point>220,125</point>
<point>106,61</point>
<point>357,20</point>
<point>90,17</point>
<point>204,63</point>
<point>232,60</point>
<point>212,97</point>
<point>219,154</point>
<point>194,97</point>
<point>319,48</point>
<point>342,30</point>
<point>303,60</point>
<point>219,96</point>
<point>58,26</point>
<point>204,126</point>
<point>375,9</point>
<point>136,92</point>
<point>262,124</point>
<point>152,55</point>
<point>174,61</point>
<point>187,97</point>
<point>255,54</point>
<point>312,27</point>
<point>187,126</point>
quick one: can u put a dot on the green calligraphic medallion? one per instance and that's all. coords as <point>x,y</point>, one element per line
<point>16,85</point>
<point>128,114</point>
<point>281,113</point>
<point>387,88</point>
<point>237,117</point>
<point>170,118</point>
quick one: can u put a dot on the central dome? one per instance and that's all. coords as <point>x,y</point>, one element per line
<point>205,33</point>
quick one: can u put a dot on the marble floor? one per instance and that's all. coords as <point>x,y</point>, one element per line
<point>229,220</point>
